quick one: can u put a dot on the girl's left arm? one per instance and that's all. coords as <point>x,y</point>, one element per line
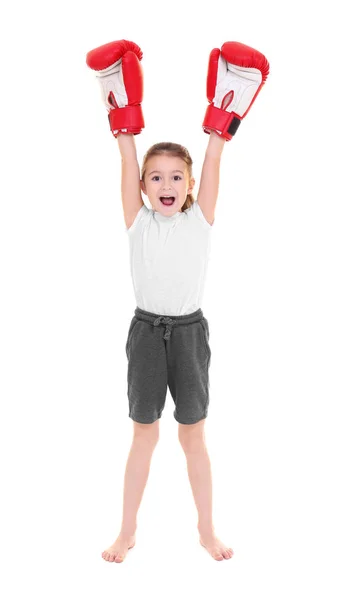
<point>209,181</point>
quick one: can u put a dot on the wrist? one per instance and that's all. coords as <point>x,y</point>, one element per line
<point>215,145</point>
<point>127,146</point>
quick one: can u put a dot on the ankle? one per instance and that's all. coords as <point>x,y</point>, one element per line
<point>127,531</point>
<point>206,528</point>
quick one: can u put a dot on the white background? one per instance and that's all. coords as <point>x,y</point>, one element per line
<point>277,298</point>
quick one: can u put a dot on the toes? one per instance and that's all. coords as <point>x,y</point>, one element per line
<point>120,557</point>
<point>112,557</point>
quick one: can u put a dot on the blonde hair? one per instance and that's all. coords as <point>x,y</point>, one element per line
<point>172,150</point>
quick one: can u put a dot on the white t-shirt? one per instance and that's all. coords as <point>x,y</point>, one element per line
<point>168,260</point>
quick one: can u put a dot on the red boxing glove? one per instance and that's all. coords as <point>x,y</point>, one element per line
<point>120,75</point>
<point>236,74</point>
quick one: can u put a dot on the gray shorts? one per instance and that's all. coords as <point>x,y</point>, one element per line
<point>167,351</point>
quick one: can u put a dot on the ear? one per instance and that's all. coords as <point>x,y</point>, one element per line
<point>143,188</point>
<point>191,185</point>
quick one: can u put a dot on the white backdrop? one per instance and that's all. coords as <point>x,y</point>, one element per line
<point>277,298</point>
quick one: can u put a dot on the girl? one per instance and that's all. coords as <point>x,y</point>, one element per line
<point>168,338</point>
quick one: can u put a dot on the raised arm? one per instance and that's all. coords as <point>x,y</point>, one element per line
<point>130,178</point>
<point>119,72</point>
<point>209,181</point>
<point>236,74</point>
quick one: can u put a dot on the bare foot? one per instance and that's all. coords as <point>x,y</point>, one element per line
<point>119,549</point>
<point>215,547</point>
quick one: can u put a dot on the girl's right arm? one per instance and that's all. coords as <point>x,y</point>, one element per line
<point>130,178</point>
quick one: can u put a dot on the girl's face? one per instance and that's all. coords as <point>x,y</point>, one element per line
<point>166,179</point>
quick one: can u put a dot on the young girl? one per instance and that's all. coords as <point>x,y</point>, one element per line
<point>168,338</point>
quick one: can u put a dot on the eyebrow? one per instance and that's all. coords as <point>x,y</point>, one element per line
<point>174,171</point>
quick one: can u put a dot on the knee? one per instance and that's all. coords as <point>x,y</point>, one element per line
<point>146,434</point>
<point>191,439</point>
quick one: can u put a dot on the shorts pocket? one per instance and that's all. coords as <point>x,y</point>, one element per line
<point>205,329</point>
<point>129,335</point>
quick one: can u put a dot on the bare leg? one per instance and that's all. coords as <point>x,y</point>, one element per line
<point>199,471</point>
<point>144,441</point>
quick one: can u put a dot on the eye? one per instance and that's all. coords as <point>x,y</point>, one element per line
<point>155,178</point>
<point>177,177</point>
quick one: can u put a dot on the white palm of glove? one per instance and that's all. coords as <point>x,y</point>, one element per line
<point>236,87</point>
<point>111,82</point>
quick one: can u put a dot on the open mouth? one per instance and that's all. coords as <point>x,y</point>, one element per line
<point>167,200</point>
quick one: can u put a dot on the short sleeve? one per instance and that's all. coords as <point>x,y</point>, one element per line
<point>143,212</point>
<point>199,214</point>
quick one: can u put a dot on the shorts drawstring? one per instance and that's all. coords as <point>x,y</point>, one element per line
<point>168,322</point>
